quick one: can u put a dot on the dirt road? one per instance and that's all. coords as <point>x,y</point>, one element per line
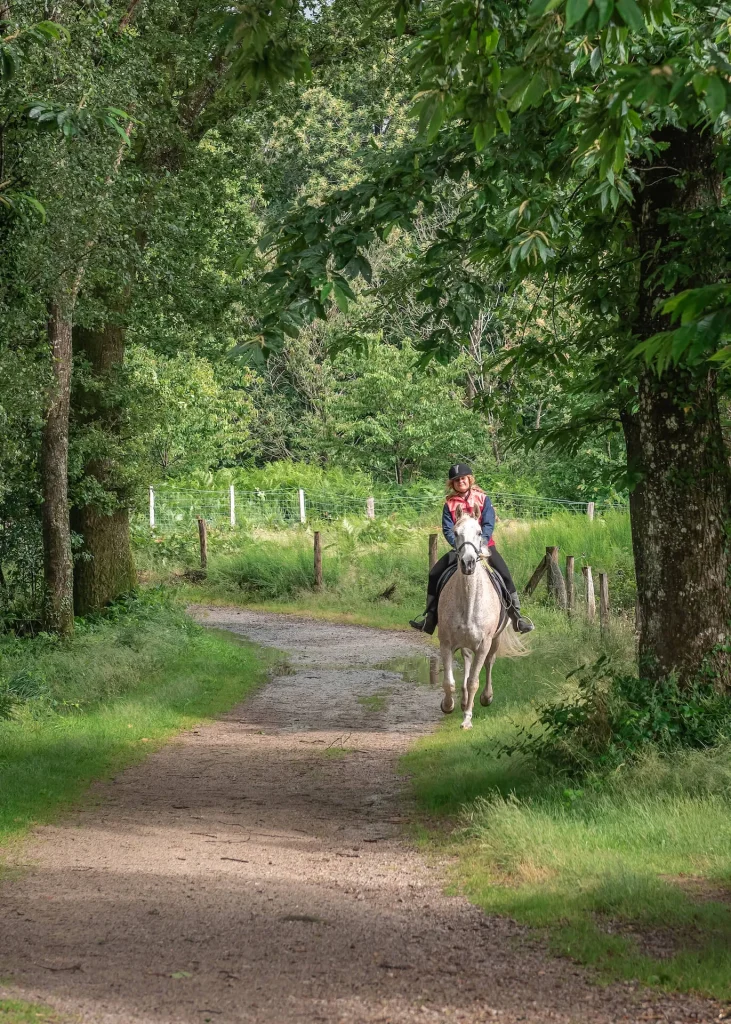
<point>256,870</point>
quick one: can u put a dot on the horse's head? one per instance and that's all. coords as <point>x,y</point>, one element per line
<point>467,540</point>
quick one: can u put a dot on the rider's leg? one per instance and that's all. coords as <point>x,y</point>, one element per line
<point>429,621</point>
<point>521,624</point>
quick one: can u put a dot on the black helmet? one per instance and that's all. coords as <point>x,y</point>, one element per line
<point>458,470</point>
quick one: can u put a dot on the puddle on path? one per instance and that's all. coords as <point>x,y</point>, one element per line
<point>422,669</point>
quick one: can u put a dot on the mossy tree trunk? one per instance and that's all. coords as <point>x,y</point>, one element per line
<point>105,568</point>
<point>682,505</point>
<point>58,616</point>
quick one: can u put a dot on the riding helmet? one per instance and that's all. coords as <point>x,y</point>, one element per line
<point>458,470</point>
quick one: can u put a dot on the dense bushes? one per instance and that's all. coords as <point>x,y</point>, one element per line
<point>614,717</point>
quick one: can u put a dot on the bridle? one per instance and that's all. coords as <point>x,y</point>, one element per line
<point>468,543</point>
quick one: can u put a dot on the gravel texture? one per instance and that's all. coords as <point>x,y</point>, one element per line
<point>255,870</point>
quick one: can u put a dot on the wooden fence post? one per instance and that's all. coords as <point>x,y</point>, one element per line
<point>302,505</point>
<point>203,537</point>
<point>590,598</point>
<point>536,577</point>
<point>590,509</point>
<point>152,507</point>
<point>434,671</point>
<point>433,549</point>
<point>318,561</point>
<point>556,584</point>
<point>570,585</point>
<point>604,602</point>
<point>370,508</point>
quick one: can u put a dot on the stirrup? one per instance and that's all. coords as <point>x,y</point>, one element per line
<point>523,624</point>
<point>427,625</point>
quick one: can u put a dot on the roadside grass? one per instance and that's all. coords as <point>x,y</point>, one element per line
<point>89,706</point>
<point>631,874</point>
<point>14,1011</point>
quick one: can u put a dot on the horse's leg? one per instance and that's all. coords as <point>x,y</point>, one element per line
<point>447,704</point>
<point>467,656</point>
<point>486,695</point>
<point>474,682</point>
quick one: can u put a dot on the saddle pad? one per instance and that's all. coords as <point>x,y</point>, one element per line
<point>497,581</point>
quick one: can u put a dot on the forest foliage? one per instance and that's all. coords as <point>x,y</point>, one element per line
<point>379,241</point>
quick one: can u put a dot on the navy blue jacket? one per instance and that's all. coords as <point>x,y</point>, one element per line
<point>487,522</point>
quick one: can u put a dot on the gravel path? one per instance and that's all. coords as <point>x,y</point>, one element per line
<point>255,870</point>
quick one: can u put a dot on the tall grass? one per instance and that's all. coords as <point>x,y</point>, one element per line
<point>364,561</point>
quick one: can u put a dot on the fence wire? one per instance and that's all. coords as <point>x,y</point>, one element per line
<point>178,507</point>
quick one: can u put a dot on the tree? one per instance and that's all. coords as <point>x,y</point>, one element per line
<point>590,139</point>
<point>399,422</point>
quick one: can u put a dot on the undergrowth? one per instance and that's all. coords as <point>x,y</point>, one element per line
<point>611,717</point>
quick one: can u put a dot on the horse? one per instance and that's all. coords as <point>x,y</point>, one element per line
<point>469,615</point>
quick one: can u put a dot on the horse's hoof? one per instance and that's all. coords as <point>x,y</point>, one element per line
<point>447,708</point>
<point>485,700</point>
<point>467,724</point>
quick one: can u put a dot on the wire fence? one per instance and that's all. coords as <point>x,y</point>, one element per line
<point>172,508</point>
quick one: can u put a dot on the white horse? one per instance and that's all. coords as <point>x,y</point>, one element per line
<point>469,615</point>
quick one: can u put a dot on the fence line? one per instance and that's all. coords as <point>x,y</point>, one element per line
<point>177,506</point>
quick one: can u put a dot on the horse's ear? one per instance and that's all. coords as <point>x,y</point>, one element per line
<point>458,514</point>
<point>476,511</point>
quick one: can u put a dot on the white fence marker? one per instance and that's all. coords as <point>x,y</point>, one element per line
<point>302,505</point>
<point>590,509</point>
<point>152,507</point>
<point>232,501</point>
<point>370,508</point>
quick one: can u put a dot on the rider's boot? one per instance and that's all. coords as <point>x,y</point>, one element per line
<point>429,623</point>
<point>521,624</point>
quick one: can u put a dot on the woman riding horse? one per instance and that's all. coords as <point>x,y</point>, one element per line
<point>462,493</point>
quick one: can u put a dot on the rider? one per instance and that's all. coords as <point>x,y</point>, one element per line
<point>463,493</point>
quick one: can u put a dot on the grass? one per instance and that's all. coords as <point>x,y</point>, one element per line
<point>374,571</point>
<point>631,874</point>
<point>13,1011</point>
<point>105,699</point>
<point>374,702</point>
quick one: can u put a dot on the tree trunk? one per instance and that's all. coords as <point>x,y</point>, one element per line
<point>679,512</point>
<point>57,557</point>
<point>105,569</point>
<point>680,507</point>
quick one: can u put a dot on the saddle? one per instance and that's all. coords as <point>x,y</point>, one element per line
<point>497,581</point>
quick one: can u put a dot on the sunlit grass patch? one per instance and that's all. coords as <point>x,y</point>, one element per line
<point>129,690</point>
<point>13,1011</point>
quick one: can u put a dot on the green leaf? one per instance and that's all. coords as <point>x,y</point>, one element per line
<point>534,93</point>
<point>595,61</point>
<point>575,11</point>
<point>605,8</point>
<point>715,96</point>
<point>341,299</point>
<point>483,132</point>
<point>631,15</point>
<point>503,121</point>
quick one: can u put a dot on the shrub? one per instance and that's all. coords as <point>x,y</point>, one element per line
<point>612,718</point>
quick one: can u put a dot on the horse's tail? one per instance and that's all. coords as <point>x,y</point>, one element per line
<point>510,644</point>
